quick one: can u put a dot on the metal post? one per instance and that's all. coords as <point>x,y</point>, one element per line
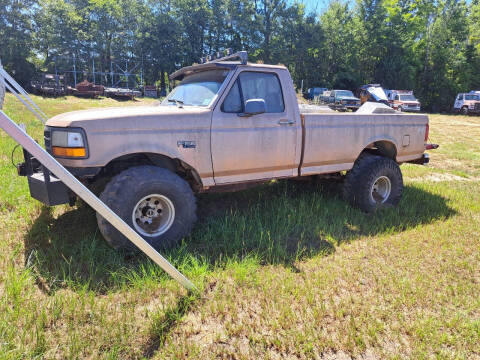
<point>141,75</point>
<point>74,70</point>
<point>93,69</point>
<point>2,88</point>
<point>21,95</point>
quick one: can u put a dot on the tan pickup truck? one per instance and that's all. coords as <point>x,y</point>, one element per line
<point>227,124</point>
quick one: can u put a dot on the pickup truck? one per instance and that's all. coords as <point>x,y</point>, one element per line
<point>343,100</point>
<point>403,100</point>
<point>228,124</point>
<point>467,103</point>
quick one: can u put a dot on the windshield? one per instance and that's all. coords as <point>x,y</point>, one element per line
<point>407,98</point>
<point>344,93</point>
<point>197,89</point>
<point>471,97</point>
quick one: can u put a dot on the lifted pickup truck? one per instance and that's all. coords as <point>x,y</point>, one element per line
<point>226,125</point>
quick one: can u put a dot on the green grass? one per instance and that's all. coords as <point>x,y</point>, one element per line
<point>285,270</point>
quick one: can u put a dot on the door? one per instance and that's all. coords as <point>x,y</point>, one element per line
<point>260,146</point>
<point>458,102</point>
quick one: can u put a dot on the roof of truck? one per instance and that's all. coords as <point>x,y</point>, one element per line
<point>187,70</point>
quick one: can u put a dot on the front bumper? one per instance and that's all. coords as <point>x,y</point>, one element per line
<point>43,185</point>
<point>344,107</point>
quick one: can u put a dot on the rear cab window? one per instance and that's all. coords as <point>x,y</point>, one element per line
<point>255,85</point>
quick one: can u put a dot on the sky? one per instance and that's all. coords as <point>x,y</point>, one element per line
<point>314,5</point>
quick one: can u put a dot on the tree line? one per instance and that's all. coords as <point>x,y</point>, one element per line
<point>430,46</point>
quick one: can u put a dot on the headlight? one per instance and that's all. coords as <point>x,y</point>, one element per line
<point>68,143</point>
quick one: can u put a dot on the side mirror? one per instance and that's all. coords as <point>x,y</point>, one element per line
<point>254,107</point>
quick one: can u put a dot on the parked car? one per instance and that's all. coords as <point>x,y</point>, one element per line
<point>225,126</point>
<point>343,100</point>
<point>403,100</point>
<point>314,92</point>
<point>467,103</point>
<point>372,93</point>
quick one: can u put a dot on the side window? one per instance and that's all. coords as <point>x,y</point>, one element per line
<point>460,97</point>
<point>266,86</point>
<point>233,101</point>
<point>396,97</point>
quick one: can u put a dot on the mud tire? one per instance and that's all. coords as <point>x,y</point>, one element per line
<point>368,168</point>
<point>125,190</point>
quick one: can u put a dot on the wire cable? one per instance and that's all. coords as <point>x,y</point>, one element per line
<point>13,153</point>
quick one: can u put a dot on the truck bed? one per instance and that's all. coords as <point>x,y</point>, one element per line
<point>332,142</point>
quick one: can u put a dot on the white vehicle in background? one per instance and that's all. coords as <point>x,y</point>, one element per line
<point>467,103</point>
<point>403,100</point>
<point>372,93</point>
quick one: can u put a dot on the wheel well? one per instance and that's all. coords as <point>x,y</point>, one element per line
<point>383,148</point>
<point>176,166</point>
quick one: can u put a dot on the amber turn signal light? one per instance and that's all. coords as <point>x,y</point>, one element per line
<point>69,152</point>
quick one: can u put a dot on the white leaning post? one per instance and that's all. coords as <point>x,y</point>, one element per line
<point>21,137</point>
<point>2,88</point>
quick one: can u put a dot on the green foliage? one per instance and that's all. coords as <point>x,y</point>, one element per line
<point>432,47</point>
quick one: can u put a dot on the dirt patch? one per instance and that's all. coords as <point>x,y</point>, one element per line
<point>443,177</point>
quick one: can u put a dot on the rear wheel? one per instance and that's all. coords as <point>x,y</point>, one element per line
<point>156,203</point>
<point>373,183</point>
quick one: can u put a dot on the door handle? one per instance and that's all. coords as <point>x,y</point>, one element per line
<point>286,122</point>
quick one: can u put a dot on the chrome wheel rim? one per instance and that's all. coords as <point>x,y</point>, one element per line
<point>381,189</point>
<point>153,215</point>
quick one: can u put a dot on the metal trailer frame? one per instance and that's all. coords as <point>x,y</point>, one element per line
<point>49,162</point>
<point>109,76</point>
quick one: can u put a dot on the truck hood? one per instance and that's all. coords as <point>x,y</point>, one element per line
<point>122,118</point>
<point>348,98</point>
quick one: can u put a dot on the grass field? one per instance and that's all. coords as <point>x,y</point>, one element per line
<point>286,270</point>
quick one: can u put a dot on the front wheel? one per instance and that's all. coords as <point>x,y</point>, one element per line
<point>374,182</point>
<point>156,203</point>
<point>464,110</point>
